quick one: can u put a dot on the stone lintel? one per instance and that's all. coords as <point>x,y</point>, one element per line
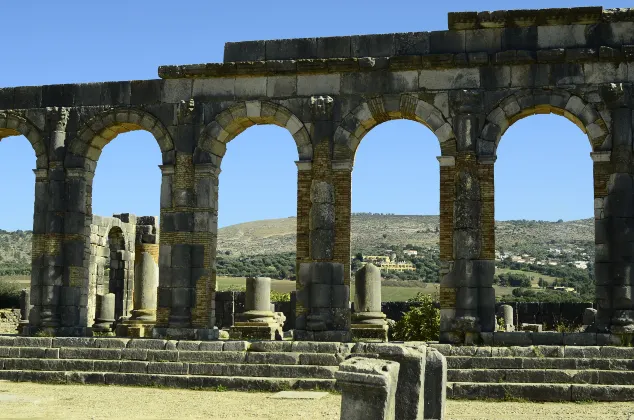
<point>167,169</point>
<point>207,168</point>
<point>342,165</point>
<point>446,160</point>
<point>304,165</point>
<point>601,156</point>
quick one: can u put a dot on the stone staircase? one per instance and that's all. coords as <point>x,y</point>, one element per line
<point>540,373</point>
<point>534,373</point>
<point>265,366</point>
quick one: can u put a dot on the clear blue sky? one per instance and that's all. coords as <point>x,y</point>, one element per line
<point>543,171</point>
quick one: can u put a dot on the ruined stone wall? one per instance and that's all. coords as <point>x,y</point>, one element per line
<point>468,85</point>
<point>9,320</point>
<point>106,265</point>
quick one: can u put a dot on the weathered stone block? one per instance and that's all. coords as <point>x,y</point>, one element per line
<point>368,388</point>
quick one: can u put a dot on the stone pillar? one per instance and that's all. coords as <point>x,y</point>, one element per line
<point>105,313</point>
<point>467,295</point>
<point>258,321</point>
<point>368,388</point>
<point>25,307</point>
<point>368,322</point>
<point>187,274</point>
<point>304,181</point>
<point>614,217</point>
<point>506,312</point>
<point>435,385</point>
<point>146,280</point>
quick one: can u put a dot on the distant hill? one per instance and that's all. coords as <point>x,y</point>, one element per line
<point>369,232</point>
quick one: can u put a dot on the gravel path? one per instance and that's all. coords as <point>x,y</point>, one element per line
<point>40,401</point>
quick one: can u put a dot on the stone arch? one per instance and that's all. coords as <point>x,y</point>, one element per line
<point>374,111</point>
<point>233,121</point>
<point>99,130</point>
<point>542,101</point>
<point>15,125</point>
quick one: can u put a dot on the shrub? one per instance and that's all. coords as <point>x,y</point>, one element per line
<point>9,294</point>
<point>420,323</point>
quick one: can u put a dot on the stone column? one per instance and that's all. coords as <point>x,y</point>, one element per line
<point>146,280</point>
<point>257,322</point>
<point>506,312</point>
<point>467,294</point>
<point>368,388</point>
<point>25,307</point>
<point>368,322</point>
<point>105,313</point>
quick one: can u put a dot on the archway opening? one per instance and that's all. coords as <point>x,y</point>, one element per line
<point>395,205</point>
<point>126,185</point>
<point>544,207</point>
<point>17,161</point>
<point>257,210</point>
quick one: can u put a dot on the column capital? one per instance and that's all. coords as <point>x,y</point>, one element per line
<point>601,156</point>
<point>446,160</point>
<point>487,160</point>
<point>342,165</point>
<point>167,169</point>
<point>79,173</point>
<point>304,165</point>
<point>207,169</point>
<point>41,174</point>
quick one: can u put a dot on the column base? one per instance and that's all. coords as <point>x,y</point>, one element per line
<point>204,334</point>
<point>255,331</point>
<point>39,331</point>
<point>135,329</point>
<point>329,336</point>
<point>369,332</point>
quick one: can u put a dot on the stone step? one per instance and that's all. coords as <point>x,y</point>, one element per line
<point>538,363</point>
<point>599,377</point>
<point>173,345</point>
<point>539,391</point>
<point>250,357</point>
<point>173,381</point>
<point>171,368</point>
<point>604,352</point>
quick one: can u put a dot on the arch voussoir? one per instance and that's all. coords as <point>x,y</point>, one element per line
<point>236,119</point>
<point>356,124</point>
<point>12,124</point>
<point>542,101</point>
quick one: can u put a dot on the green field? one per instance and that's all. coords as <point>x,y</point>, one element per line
<point>536,276</point>
<point>390,293</point>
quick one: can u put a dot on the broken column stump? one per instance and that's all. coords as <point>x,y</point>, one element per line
<point>368,388</point>
<point>258,321</point>
<point>368,322</point>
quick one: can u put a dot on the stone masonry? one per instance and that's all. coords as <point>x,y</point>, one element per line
<point>467,84</point>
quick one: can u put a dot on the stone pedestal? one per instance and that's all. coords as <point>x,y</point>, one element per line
<point>146,279</point>
<point>368,389</point>
<point>435,385</point>
<point>368,322</point>
<point>258,321</point>
<point>105,313</point>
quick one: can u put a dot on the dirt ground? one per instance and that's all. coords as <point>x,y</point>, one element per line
<point>39,401</point>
